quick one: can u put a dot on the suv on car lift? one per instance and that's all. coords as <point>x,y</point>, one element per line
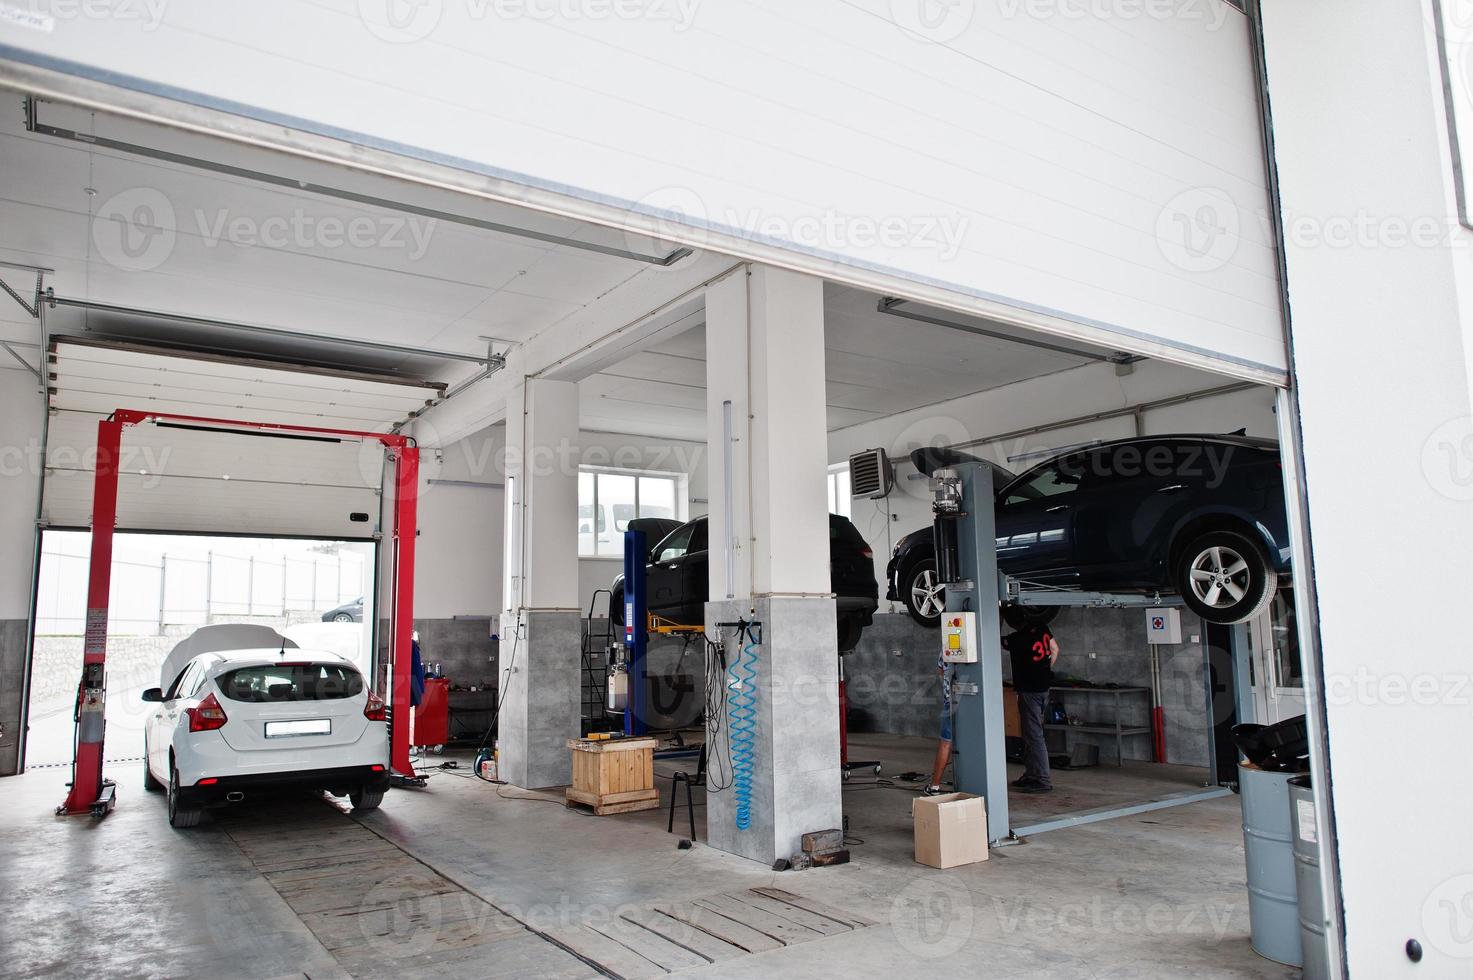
<point>1198,515</point>
<point>677,579</point>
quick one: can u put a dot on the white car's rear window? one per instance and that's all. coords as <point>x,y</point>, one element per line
<point>290,682</point>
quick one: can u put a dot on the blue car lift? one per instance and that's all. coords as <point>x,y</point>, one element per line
<point>636,632</point>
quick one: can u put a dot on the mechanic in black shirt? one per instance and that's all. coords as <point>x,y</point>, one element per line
<point>1033,650</point>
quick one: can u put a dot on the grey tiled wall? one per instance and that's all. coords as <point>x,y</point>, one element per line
<point>893,684</point>
<point>12,671</point>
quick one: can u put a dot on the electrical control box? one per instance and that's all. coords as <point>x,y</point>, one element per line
<point>959,637</point>
<point>1163,625</point>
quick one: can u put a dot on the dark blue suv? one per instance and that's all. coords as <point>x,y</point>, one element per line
<point>1199,515</point>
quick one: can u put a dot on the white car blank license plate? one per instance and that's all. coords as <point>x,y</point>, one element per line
<point>284,729</point>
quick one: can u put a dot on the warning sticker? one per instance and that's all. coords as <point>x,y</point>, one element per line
<point>94,641</point>
<point>1306,822</point>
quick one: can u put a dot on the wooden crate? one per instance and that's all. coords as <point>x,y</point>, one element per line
<point>613,776</point>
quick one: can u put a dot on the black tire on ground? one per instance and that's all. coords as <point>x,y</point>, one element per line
<point>1224,577</point>
<point>150,784</point>
<point>849,633</point>
<point>180,816</point>
<point>924,597</point>
<point>1021,617</point>
<point>366,799</point>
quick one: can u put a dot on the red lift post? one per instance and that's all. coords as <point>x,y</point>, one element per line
<point>90,792</point>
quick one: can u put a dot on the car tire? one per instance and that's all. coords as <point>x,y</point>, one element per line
<point>1022,617</point>
<point>366,799</point>
<point>1224,577</point>
<point>923,595</point>
<point>180,816</point>
<point>616,609</point>
<point>850,631</point>
<point>150,784</point>
<point>342,618</point>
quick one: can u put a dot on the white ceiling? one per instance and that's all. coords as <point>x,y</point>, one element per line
<point>444,291</point>
<point>876,365</point>
<point>468,284</point>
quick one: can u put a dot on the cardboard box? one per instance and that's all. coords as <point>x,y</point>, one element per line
<point>950,829</point>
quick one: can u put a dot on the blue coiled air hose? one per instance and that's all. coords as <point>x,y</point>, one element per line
<point>742,715</point>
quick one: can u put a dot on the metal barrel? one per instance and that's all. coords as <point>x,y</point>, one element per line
<point>1273,902</point>
<point>1307,880</point>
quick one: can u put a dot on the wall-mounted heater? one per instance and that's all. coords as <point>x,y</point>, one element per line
<point>871,474</point>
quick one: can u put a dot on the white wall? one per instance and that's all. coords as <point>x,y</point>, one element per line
<point>842,136</point>
<point>638,453</point>
<point>1053,398</point>
<point>458,562</point>
<point>21,414</point>
<point>458,570</point>
<point>1382,326</point>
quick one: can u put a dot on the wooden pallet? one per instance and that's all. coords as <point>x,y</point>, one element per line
<point>603,805</point>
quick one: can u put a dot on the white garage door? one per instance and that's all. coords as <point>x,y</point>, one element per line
<point>186,477</point>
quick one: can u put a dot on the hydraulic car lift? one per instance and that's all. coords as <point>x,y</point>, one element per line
<point>90,792</point>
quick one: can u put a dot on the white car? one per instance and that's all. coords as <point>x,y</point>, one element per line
<point>238,721</point>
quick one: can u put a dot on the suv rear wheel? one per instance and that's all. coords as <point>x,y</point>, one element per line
<point>1224,577</point>
<point>366,799</point>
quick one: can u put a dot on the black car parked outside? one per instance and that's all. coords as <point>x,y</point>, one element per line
<point>1198,515</point>
<point>677,578</point>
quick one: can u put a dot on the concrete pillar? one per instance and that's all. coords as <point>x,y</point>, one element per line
<point>541,631</point>
<point>765,355</point>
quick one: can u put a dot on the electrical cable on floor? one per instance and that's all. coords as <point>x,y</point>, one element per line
<point>516,639</point>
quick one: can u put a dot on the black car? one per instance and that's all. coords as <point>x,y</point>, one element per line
<point>677,578</point>
<point>1198,515</point>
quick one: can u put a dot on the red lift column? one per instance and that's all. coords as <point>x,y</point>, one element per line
<point>406,504</point>
<point>90,793</point>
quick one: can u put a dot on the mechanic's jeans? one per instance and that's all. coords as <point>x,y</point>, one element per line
<point>1035,749</point>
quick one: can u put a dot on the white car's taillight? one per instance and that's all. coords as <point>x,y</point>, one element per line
<point>206,716</point>
<point>374,709</point>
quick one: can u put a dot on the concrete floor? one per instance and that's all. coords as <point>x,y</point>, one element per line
<point>1156,895</point>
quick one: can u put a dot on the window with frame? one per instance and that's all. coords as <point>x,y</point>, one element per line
<point>609,499</point>
<point>841,492</point>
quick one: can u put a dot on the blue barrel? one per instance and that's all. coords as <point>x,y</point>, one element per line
<point>1268,847</point>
